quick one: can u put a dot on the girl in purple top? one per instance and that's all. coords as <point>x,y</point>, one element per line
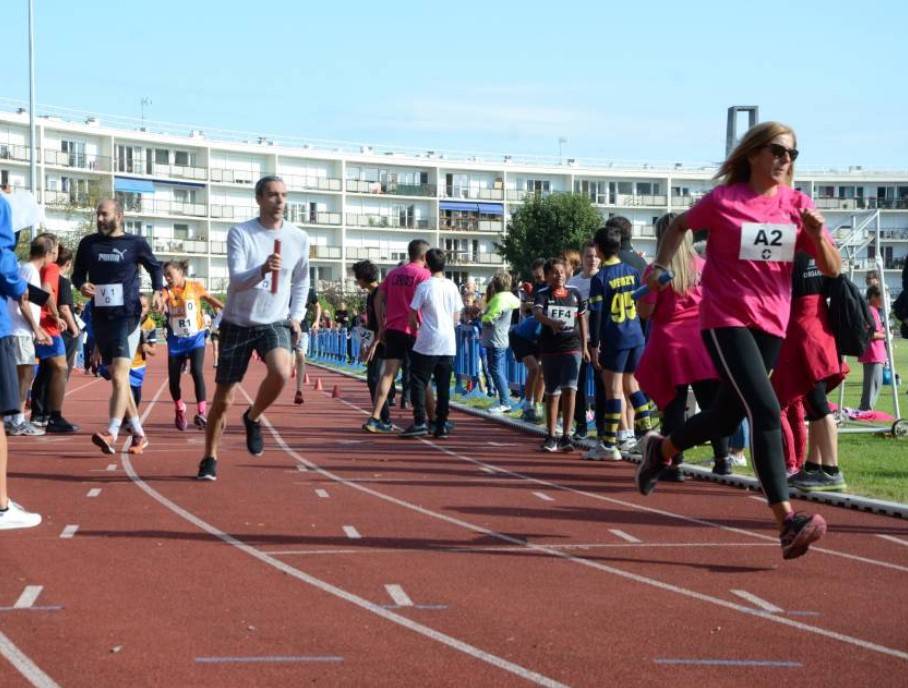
<point>756,222</point>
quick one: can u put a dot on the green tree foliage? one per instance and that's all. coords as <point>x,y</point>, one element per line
<point>546,226</point>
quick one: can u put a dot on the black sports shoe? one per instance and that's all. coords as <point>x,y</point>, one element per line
<point>722,466</point>
<point>208,469</point>
<point>672,474</point>
<point>415,430</point>
<point>254,442</point>
<point>800,530</point>
<point>442,431</point>
<point>651,466</point>
<point>550,444</point>
<point>565,444</point>
<point>60,425</point>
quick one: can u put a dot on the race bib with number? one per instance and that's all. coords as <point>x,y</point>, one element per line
<point>185,321</point>
<point>565,314</point>
<point>108,295</point>
<point>768,242</point>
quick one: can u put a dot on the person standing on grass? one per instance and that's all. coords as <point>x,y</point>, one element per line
<point>301,343</point>
<point>875,357</point>
<point>756,221</point>
<point>255,317</point>
<point>589,266</point>
<point>496,321</point>
<point>434,312</point>
<point>107,272</point>
<point>396,331</point>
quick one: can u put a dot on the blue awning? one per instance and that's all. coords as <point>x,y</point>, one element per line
<point>129,185</point>
<point>458,205</point>
<point>491,208</point>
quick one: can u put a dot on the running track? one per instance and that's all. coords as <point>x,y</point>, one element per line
<point>341,558</point>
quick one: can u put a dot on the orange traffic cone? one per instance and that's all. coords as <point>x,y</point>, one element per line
<point>336,392</point>
<point>306,379</point>
<point>318,385</point>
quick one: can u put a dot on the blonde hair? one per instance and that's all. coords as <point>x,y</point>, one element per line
<point>683,264</point>
<point>501,281</point>
<point>737,167</point>
<point>572,258</point>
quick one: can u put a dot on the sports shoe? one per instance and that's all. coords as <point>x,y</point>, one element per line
<point>800,530</point>
<point>59,425</point>
<point>179,420</point>
<point>529,415</point>
<point>799,476</point>
<point>17,517</point>
<point>629,445</point>
<point>602,452</point>
<point>738,459</point>
<point>442,431</point>
<point>200,420</point>
<point>565,444</point>
<point>499,409</point>
<point>26,429</point>
<point>433,426</point>
<point>137,444</point>
<point>651,466</point>
<point>105,441</point>
<point>834,483</point>
<point>672,474</point>
<point>254,442</point>
<point>375,425</point>
<point>722,466</point>
<point>550,444</point>
<point>818,481</point>
<point>579,435</point>
<point>208,469</point>
<point>415,430</point>
<point>298,397</point>
<point>40,421</point>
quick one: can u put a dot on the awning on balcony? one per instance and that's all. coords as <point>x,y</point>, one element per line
<point>459,205</point>
<point>491,208</point>
<point>129,185</point>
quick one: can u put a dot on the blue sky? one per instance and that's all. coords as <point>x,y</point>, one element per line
<point>623,81</point>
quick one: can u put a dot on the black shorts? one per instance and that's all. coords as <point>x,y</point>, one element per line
<point>398,345</point>
<point>238,343</point>
<point>522,347</point>
<point>116,338</point>
<point>9,380</point>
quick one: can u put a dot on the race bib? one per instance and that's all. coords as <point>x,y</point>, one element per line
<point>565,314</point>
<point>185,323</point>
<point>366,337</point>
<point>767,242</point>
<point>108,295</point>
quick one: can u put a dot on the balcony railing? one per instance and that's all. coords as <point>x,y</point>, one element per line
<point>152,206</point>
<point>180,246</point>
<point>325,252</point>
<point>365,253</point>
<point>79,161</point>
<point>232,175</point>
<point>323,218</point>
<point>476,193</point>
<point>471,225</point>
<point>645,231</point>
<point>869,203</point>
<point>385,221</point>
<point>392,188</point>
<point>67,198</point>
<point>218,248</point>
<point>302,183</point>
<point>471,258</point>
<point>632,200</point>
<point>233,212</point>
<point>685,201</point>
<point>180,172</point>
<point>11,151</point>
<point>520,194</point>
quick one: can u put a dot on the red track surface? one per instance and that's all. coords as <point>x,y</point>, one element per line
<point>507,555</point>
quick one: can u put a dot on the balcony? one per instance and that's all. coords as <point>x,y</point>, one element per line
<point>180,246</point>
<point>521,194</point>
<point>645,231</point>
<point>391,188</point>
<point>152,206</point>
<point>233,212</point>
<point>386,221</point>
<point>471,258</point>
<point>78,161</point>
<point>869,203</point>
<point>634,200</point>
<point>67,199</point>
<point>325,252</point>
<point>366,253</point>
<point>10,151</point>
<point>474,193</point>
<point>234,176</point>
<point>180,172</point>
<point>469,224</point>
<point>685,201</point>
<point>302,183</point>
<point>326,219</point>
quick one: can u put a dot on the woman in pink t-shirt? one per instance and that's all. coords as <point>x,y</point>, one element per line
<point>875,356</point>
<point>756,222</point>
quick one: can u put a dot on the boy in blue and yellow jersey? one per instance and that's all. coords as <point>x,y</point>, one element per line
<point>616,341</point>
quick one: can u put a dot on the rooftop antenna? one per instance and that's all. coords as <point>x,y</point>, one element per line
<point>731,137</point>
<point>142,104</point>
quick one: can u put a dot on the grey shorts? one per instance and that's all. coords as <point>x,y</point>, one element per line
<point>24,349</point>
<point>238,343</point>
<point>301,343</point>
<point>560,371</point>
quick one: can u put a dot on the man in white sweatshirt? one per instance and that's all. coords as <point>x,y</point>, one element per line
<point>255,317</point>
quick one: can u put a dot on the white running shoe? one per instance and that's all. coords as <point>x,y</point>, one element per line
<point>17,517</point>
<point>601,452</point>
<point>499,409</point>
<point>738,459</point>
<point>27,429</point>
<point>629,445</point>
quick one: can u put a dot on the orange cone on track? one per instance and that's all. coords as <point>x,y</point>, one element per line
<point>336,392</point>
<point>318,385</point>
<point>306,379</point>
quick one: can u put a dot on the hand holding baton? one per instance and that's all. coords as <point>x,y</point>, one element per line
<point>642,291</point>
<point>275,273</point>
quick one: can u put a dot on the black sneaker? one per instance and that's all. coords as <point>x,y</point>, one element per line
<point>375,425</point>
<point>60,425</point>
<point>651,466</point>
<point>722,466</point>
<point>40,421</point>
<point>442,431</point>
<point>254,442</point>
<point>550,444</point>
<point>565,444</point>
<point>800,530</point>
<point>208,469</point>
<point>672,474</point>
<point>416,430</point>
<point>579,435</point>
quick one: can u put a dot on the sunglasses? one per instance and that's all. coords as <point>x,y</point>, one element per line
<point>779,151</point>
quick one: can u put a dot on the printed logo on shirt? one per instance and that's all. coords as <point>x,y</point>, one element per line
<point>117,256</point>
<point>763,241</point>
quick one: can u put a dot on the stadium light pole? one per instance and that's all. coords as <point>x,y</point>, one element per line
<point>33,143</point>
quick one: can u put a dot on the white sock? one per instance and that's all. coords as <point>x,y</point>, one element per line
<point>19,419</point>
<point>136,425</point>
<point>113,428</point>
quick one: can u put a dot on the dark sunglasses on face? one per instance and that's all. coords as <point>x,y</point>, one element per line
<point>779,151</point>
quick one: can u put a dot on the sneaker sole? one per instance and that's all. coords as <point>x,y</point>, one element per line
<point>210,478</point>
<point>809,534</point>
<point>137,450</point>
<point>105,448</point>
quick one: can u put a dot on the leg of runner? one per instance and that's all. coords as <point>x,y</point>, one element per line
<point>197,370</point>
<point>57,367</point>
<point>277,364</point>
<point>174,372</point>
<point>389,372</point>
<point>300,358</point>
<point>217,421</point>
<point>121,403</point>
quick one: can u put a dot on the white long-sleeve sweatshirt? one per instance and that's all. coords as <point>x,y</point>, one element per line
<point>249,298</point>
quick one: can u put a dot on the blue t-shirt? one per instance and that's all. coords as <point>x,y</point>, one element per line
<point>528,328</point>
<point>611,294</point>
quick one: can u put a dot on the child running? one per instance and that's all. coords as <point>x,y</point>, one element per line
<point>186,338</point>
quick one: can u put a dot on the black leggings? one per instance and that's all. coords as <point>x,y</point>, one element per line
<point>705,392</point>
<point>743,359</point>
<point>196,369</point>
<point>816,406</point>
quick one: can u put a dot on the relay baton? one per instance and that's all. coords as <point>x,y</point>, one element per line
<point>640,292</point>
<point>275,273</point>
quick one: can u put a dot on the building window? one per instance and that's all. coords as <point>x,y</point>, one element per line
<point>181,159</point>
<point>161,156</point>
<point>180,231</point>
<point>538,186</point>
<point>4,178</point>
<point>75,151</point>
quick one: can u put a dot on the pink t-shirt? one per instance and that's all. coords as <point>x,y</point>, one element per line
<point>876,351</point>
<point>672,307</point>
<point>398,288</point>
<point>749,255</point>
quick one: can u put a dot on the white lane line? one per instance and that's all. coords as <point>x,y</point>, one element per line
<point>94,492</point>
<point>111,467</point>
<point>896,540</point>
<point>301,469</point>
<point>76,389</point>
<point>401,599</point>
<point>544,497</point>
<point>519,548</point>
<point>486,469</point>
<point>502,444</point>
<point>768,663</point>
<point>28,597</point>
<point>69,531</point>
<point>25,666</point>
<point>322,493</point>
<point>352,533</point>
<point>276,659</point>
<point>762,500</point>
<point>758,601</point>
<point>625,536</point>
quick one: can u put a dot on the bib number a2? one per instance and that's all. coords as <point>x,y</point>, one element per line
<point>767,242</point>
<point>108,295</point>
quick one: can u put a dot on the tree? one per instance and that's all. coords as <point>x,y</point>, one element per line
<point>546,226</point>
<point>78,211</point>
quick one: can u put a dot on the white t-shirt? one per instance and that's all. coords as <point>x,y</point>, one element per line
<point>582,284</point>
<point>439,304</point>
<point>20,328</point>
